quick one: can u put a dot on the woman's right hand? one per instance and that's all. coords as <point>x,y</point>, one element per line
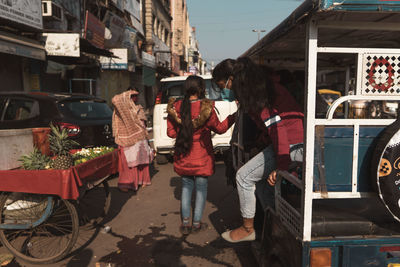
<point>272,178</point>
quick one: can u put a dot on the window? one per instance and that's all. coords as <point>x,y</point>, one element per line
<point>21,109</point>
<point>159,30</point>
<point>155,25</point>
<point>175,89</point>
<point>167,38</point>
<point>85,109</point>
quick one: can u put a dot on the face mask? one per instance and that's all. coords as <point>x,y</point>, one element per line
<point>227,95</point>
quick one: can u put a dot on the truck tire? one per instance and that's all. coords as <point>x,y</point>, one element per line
<point>385,166</point>
<point>161,159</point>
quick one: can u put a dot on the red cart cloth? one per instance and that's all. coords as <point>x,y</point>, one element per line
<point>64,183</point>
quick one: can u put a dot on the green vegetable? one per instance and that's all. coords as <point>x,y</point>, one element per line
<point>35,160</point>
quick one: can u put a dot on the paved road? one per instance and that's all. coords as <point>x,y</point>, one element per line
<point>145,228</point>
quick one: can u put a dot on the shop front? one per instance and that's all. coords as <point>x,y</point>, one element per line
<point>22,57</point>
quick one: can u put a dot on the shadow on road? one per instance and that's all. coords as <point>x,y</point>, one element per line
<point>87,233</point>
<point>83,259</point>
<point>159,249</point>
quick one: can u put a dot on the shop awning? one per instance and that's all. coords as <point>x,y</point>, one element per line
<point>87,47</point>
<point>20,46</point>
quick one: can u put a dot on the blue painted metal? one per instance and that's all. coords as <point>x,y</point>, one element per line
<point>338,156</point>
<point>306,254</point>
<point>44,217</point>
<point>360,5</point>
<point>352,242</point>
<point>336,256</point>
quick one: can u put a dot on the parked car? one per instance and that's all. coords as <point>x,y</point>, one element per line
<point>173,87</point>
<point>86,118</point>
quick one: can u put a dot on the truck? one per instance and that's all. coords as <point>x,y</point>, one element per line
<point>340,207</point>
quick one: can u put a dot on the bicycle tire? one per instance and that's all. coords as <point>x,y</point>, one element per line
<point>63,222</point>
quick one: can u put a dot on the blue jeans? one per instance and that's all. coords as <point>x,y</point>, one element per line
<point>188,183</point>
<point>257,168</point>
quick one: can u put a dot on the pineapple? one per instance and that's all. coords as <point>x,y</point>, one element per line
<point>60,145</point>
<point>35,160</point>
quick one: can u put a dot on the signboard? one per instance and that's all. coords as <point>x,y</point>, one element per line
<point>62,44</point>
<point>148,60</point>
<point>380,74</point>
<point>176,64</point>
<point>117,27</point>
<point>130,42</point>
<point>193,70</point>
<point>120,4</point>
<point>28,12</point>
<point>120,63</point>
<point>94,30</point>
<point>133,7</point>
<point>32,51</point>
<point>129,39</point>
<point>162,51</point>
<point>138,26</point>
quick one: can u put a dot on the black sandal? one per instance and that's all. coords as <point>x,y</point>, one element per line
<point>199,227</point>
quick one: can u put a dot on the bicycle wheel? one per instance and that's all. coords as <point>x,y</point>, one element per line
<point>46,243</point>
<point>94,205</point>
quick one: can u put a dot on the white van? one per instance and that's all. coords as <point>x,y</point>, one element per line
<point>173,87</point>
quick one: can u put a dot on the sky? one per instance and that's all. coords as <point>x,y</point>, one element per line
<point>224,28</point>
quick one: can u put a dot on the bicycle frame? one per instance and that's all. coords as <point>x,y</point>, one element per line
<point>46,214</point>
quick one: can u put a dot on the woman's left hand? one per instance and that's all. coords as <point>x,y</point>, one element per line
<point>272,178</point>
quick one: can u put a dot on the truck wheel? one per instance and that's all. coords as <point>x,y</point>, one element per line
<point>161,159</point>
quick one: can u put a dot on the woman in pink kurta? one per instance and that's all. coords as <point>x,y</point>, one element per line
<point>129,130</point>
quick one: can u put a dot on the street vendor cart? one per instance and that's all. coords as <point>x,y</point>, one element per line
<point>41,211</point>
<point>342,207</point>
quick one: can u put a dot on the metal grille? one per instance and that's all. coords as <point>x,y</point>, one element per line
<point>289,216</point>
<point>381,74</point>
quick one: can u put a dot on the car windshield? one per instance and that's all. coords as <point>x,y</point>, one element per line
<point>85,109</point>
<point>175,89</point>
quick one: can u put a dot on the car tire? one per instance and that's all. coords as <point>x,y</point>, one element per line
<point>161,159</point>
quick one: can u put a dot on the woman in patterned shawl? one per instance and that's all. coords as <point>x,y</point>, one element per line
<point>129,131</point>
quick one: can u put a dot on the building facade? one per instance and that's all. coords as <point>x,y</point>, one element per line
<point>180,37</point>
<point>186,57</point>
<point>98,47</point>
<point>157,46</point>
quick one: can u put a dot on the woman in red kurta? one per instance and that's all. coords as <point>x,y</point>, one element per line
<point>191,121</point>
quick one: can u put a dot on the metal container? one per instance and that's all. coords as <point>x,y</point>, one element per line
<point>13,144</point>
